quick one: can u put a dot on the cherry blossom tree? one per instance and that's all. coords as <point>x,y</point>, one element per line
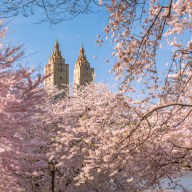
<point>112,142</point>
<point>104,142</point>
<point>155,142</point>
<point>83,133</point>
<point>22,161</point>
<point>140,31</point>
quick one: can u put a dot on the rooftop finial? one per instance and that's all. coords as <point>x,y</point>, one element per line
<point>82,56</point>
<point>82,48</point>
<point>57,43</point>
<point>56,50</point>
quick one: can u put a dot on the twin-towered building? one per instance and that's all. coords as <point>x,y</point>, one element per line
<point>59,70</point>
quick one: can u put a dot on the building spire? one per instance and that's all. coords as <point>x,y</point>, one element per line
<point>56,51</point>
<point>82,56</point>
<point>83,73</point>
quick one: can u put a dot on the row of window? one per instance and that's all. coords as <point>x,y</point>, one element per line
<point>60,78</point>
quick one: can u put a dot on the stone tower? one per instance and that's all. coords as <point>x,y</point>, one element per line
<point>83,73</point>
<point>58,70</point>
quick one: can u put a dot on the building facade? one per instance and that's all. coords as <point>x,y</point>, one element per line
<point>58,70</point>
<point>83,73</point>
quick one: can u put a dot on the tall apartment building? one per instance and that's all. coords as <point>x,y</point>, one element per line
<point>83,73</point>
<point>57,69</point>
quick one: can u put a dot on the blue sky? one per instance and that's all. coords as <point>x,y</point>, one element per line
<point>38,41</point>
